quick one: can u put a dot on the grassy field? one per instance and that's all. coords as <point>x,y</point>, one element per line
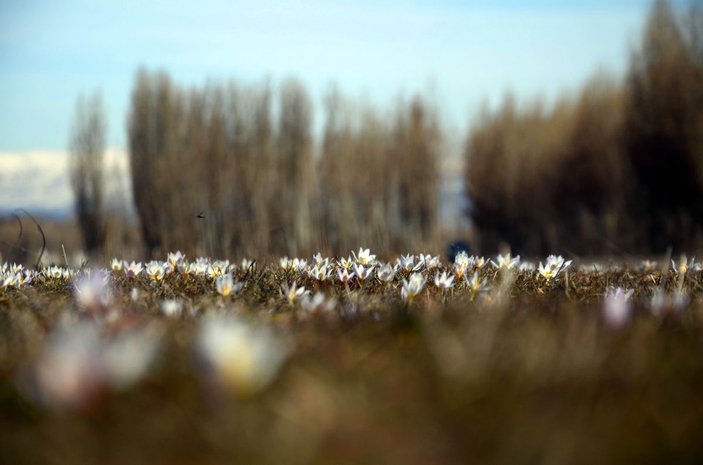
<point>198,362</point>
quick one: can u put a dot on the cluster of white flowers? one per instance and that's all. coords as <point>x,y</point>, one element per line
<point>104,350</point>
<point>13,275</point>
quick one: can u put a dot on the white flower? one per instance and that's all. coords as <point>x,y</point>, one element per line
<point>344,275</point>
<point>218,268</point>
<point>300,265</point>
<point>428,262</point>
<point>412,286</point>
<point>386,272</point>
<point>11,280</point>
<point>364,257</point>
<point>553,266</point>
<point>617,308</point>
<point>172,308</point>
<point>197,268</point>
<point>527,266</point>
<point>292,292</point>
<point>363,272</point>
<point>505,262</point>
<point>407,263</point>
<point>462,259</point>
<point>116,264</point>
<point>346,263</point>
<point>175,260</point>
<point>462,262</point>
<point>56,272</point>
<point>285,263</point>
<point>156,270</point>
<point>319,261</point>
<point>15,276</point>
<point>683,265</point>
<point>319,273</point>
<point>476,284</point>
<point>226,286</point>
<point>242,358</point>
<point>133,269</point>
<point>443,281</point>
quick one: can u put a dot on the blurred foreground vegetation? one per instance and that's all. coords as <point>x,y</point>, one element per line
<point>528,369</point>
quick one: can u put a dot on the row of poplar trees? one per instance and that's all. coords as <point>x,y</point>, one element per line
<point>615,170</point>
<point>233,170</point>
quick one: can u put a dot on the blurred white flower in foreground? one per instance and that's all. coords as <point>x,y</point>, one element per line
<point>318,302</point>
<point>69,374</point>
<point>241,358</point>
<point>617,308</point>
<point>92,292</point>
<point>77,366</point>
<point>128,356</point>
<point>663,304</point>
<point>172,308</point>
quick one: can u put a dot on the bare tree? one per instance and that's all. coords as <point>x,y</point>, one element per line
<point>87,150</point>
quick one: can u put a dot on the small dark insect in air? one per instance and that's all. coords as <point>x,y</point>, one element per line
<point>201,215</point>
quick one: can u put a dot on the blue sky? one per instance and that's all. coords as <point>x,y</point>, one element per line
<point>462,51</point>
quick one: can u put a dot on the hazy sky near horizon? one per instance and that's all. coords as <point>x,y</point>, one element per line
<point>462,51</point>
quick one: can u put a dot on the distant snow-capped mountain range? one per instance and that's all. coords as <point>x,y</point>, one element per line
<point>38,181</point>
